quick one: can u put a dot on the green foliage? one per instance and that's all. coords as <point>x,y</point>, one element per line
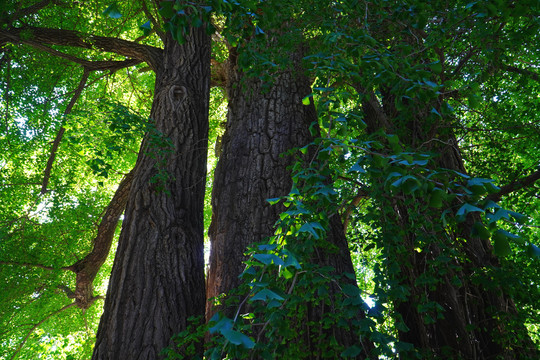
<point>457,78</point>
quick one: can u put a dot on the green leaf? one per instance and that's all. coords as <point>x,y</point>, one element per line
<point>357,168</point>
<point>237,338</point>
<point>392,139</point>
<point>436,67</point>
<point>268,259</point>
<point>407,184</point>
<point>352,351</point>
<point>265,295</point>
<point>481,231</point>
<point>474,101</point>
<point>501,246</point>
<point>112,11</point>
<point>306,100</point>
<point>273,201</point>
<point>467,208</point>
<point>166,9</point>
<point>146,28</point>
<point>436,197</point>
<point>533,251</point>
<point>312,227</point>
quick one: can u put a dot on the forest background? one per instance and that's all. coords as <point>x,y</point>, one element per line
<point>376,161</point>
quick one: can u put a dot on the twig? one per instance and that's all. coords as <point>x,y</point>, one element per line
<point>60,134</point>
<point>36,326</point>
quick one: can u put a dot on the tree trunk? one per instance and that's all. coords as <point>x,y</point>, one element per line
<point>157,280</point>
<point>262,124</point>
<point>264,121</point>
<point>476,319</point>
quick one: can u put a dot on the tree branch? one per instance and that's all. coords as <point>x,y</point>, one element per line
<point>36,326</point>
<point>87,268</point>
<point>32,9</point>
<point>515,185</point>
<point>34,35</point>
<point>87,64</point>
<point>524,72</point>
<point>60,134</point>
<point>40,266</point>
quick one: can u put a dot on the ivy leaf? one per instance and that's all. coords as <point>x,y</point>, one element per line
<point>265,295</point>
<point>112,11</point>
<point>146,28</point>
<point>501,246</point>
<point>237,338</point>
<point>268,259</point>
<point>311,227</point>
<point>467,208</point>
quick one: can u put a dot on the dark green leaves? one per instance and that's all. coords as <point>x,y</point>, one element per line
<point>225,326</point>
<point>146,28</point>
<point>501,245</point>
<point>113,11</point>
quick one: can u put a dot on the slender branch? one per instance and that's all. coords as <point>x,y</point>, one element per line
<point>155,23</point>
<point>463,61</point>
<point>524,72</point>
<point>40,266</point>
<point>36,326</point>
<point>60,134</point>
<point>515,185</point>
<point>32,9</point>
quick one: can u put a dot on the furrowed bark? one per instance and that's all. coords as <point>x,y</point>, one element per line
<point>263,122</point>
<point>157,281</point>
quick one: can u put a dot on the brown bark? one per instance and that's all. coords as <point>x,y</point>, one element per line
<point>157,281</point>
<point>263,122</point>
<point>39,36</point>
<point>87,268</point>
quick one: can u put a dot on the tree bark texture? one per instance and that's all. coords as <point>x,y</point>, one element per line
<point>157,280</point>
<point>264,121</point>
<point>479,321</point>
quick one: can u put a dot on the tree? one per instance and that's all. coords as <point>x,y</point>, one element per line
<point>165,207</point>
<point>267,122</point>
<point>408,97</point>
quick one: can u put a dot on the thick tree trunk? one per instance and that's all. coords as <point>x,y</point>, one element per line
<point>476,319</point>
<point>264,121</point>
<point>157,280</point>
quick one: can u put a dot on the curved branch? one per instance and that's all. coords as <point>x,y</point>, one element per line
<point>34,35</point>
<point>87,268</point>
<point>515,185</point>
<point>40,266</point>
